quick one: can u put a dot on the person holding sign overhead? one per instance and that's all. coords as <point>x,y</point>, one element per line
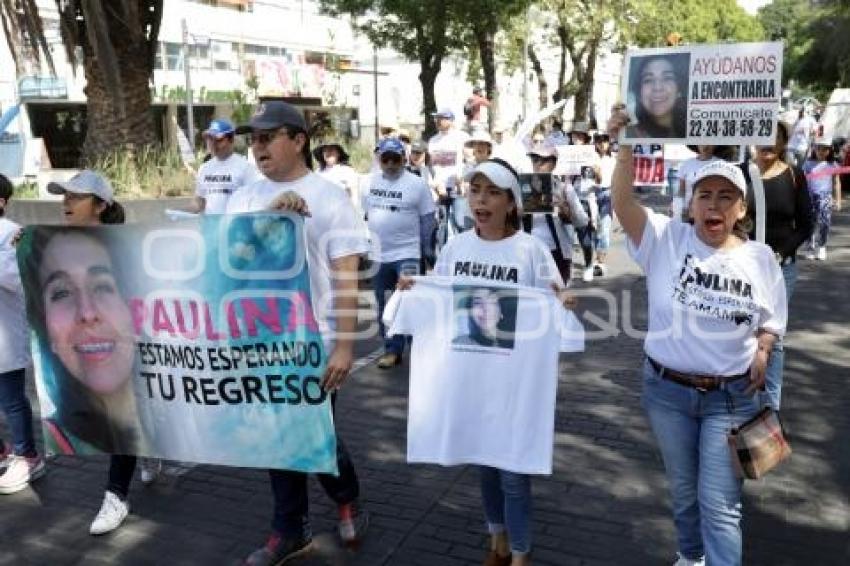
<point>658,95</point>
<point>716,306</point>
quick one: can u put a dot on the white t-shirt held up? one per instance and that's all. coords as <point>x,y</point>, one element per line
<point>705,304</point>
<point>474,401</point>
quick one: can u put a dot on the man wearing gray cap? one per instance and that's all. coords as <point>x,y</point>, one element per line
<point>335,241</point>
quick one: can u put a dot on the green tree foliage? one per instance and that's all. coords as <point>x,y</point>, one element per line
<point>423,32</point>
<point>696,21</point>
<point>817,53</point>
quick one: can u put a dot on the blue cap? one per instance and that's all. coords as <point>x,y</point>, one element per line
<point>391,145</point>
<point>219,128</point>
<point>444,113</point>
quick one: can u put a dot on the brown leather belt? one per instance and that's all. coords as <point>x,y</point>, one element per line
<point>700,382</point>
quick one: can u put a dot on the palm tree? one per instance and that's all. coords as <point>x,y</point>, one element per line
<point>118,41</point>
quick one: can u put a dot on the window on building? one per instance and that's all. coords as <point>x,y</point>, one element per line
<point>173,56</point>
<point>314,58</point>
<point>157,60</point>
<point>252,49</point>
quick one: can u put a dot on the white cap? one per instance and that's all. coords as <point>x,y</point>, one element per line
<point>86,182</point>
<point>479,136</point>
<point>724,169</point>
<point>824,141</point>
<point>501,175</point>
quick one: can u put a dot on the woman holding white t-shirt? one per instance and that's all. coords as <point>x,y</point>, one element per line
<point>496,204</point>
<point>716,305</point>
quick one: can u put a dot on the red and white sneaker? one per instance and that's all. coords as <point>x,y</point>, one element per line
<point>353,523</point>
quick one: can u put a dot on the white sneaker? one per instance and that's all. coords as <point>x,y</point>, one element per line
<point>112,513</point>
<point>822,253</point>
<point>151,468</point>
<point>682,561</point>
<point>587,275</point>
<point>20,471</point>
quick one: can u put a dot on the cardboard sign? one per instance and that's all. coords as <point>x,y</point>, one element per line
<point>725,94</point>
<point>571,158</point>
<point>650,167</point>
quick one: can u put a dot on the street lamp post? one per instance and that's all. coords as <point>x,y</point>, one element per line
<point>190,119</point>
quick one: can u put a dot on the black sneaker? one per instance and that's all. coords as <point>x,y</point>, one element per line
<point>279,550</point>
<point>353,523</point>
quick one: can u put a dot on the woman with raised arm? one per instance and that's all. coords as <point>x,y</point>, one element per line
<point>716,305</point>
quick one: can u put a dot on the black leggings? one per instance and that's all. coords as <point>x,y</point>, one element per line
<point>121,469</point>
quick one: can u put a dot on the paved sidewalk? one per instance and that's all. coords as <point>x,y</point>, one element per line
<point>605,504</point>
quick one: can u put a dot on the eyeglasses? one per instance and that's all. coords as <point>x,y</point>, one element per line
<point>264,138</point>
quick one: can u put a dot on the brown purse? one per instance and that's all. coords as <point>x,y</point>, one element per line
<point>758,445</point>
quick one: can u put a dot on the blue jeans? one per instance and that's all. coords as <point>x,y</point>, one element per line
<point>14,402</point>
<point>690,427</point>
<point>384,282</point>
<point>772,394</point>
<point>603,231</point>
<point>507,505</point>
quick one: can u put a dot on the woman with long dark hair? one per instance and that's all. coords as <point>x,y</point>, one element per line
<point>659,86</point>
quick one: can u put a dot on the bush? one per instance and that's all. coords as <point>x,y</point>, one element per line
<point>151,173</point>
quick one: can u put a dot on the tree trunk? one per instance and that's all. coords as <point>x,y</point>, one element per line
<point>563,39</point>
<point>485,38</point>
<point>586,80</point>
<point>109,129</point>
<point>542,85</point>
<point>428,77</point>
<point>123,124</point>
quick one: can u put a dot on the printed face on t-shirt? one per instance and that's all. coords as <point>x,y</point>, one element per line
<point>486,317</point>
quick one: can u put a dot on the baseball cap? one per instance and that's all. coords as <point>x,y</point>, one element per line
<point>824,141</point>
<point>219,128</point>
<point>500,174</point>
<point>86,182</point>
<point>444,113</point>
<point>391,145</point>
<point>544,150</point>
<point>724,169</point>
<point>418,147</point>
<point>272,115</point>
<point>479,136</point>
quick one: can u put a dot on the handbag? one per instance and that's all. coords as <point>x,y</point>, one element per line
<point>758,445</point>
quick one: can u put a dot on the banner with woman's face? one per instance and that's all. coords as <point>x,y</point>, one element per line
<point>192,340</point>
<point>727,94</point>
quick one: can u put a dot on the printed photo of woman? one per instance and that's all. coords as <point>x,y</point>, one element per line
<point>84,329</point>
<point>490,320</point>
<point>657,98</point>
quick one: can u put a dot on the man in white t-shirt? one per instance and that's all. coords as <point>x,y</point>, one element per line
<point>400,212</point>
<point>335,242</point>
<point>223,174</point>
<point>446,151</point>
